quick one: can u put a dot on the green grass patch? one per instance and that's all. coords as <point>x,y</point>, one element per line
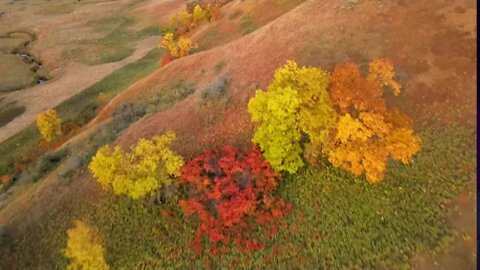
<point>117,42</point>
<point>56,9</point>
<point>361,226</point>
<point>339,221</point>
<point>167,96</point>
<point>10,111</point>
<point>84,106</point>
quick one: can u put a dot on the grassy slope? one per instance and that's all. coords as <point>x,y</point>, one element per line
<point>117,41</point>
<point>80,108</point>
<point>338,221</point>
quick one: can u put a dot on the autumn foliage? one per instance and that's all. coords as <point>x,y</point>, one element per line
<point>343,116</point>
<point>228,190</point>
<point>85,248</point>
<point>368,133</point>
<point>180,48</point>
<point>295,103</point>
<point>187,20</point>
<point>49,125</point>
<point>149,166</point>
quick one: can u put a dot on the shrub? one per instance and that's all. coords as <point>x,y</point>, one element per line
<point>85,248</point>
<point>247,24</point>
<point>49,125</point>
<point>216,88</point>
<point>165,60</point>
<point>129,112</point>
<point>213,12</point>
<point>46,164</point>
<point>185,45</point>
<point>5,239</point>
<point>149,166</point>
<point>180,49</point>
<point>168,96</point>
<point>229,189</point>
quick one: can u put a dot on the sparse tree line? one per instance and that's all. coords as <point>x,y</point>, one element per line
<point>306,115</point>
<point>175,41</point>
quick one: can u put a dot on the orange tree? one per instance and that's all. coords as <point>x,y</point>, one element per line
<point>368,133</point>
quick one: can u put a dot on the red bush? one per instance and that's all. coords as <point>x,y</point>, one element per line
<point>231,192</point>
<point>104,113</point>
<point>166,58</point>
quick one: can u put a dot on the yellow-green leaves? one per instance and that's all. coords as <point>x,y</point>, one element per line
<point>49,125</point>
<point>278,134</point>
<point>296,101</point>
<point>149,166</point>
<point>85,248</point>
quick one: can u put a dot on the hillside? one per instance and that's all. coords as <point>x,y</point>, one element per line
<point>419,215</point>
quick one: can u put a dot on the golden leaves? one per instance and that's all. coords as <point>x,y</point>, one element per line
<point>381,71</point>
<point>49,125</point>
<point>179,49</point>
<point>85,248</point>
<point>149,166</point>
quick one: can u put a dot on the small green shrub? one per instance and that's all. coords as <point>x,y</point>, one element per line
<point>247,24</point>
<point>167,96</point>
<point>219,66</point>
<point>9,112</point>
<point>216,88</point>
<point>46,164</point>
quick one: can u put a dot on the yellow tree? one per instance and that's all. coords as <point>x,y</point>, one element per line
<point>149,166</point>
<point>49,125</point>
<point>85,248</point>
<point>295,102</point>
<point>184,46</point>
<point>180,49</point>
<point>199,14</point>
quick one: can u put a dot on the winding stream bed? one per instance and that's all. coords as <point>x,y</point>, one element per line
<point>19,69</point>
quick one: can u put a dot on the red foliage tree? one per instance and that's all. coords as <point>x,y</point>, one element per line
<point>231,192</point>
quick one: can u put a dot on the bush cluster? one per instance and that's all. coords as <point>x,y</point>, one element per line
<point>343,116</point>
